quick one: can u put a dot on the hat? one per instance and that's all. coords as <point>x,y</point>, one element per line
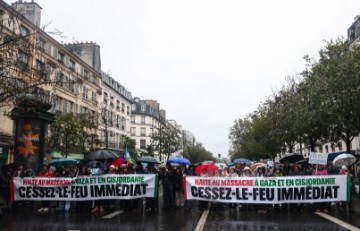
<point>247,168</point>
<point>343,167</point>
<point>112,166</point>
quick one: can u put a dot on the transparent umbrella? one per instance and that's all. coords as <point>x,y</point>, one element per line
<point>344,159</point>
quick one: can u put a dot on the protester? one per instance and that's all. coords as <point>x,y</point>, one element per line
<point>261,208</point>
<point>202,205</point>
<point>296,171</point>
<point>20,171</point>
<point>169,181</point>
<point>247,172</point>
<point>179,191</point>
<point>319,170</point>
<point>151,203</point>
<point>45,172</point>
<point>5,189</point>
<point>99,204</point>
<point>63,205</point>
<point>277,171</point>
<point>239,168</point>
<point>83,206</point>
<point>226,171</point>
<point>232,173</point>
<point>187,172</point>
<point>137,204</point>
<point>29,172</point>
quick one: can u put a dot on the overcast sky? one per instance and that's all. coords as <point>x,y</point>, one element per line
<point>207,62</point>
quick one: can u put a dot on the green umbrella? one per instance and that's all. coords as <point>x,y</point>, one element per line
<point>64,162</point>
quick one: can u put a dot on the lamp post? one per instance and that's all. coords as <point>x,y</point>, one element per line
<point>160,140</point>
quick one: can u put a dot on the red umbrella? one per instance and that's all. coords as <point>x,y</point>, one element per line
<point>118,162</point>
<point>209,167</point>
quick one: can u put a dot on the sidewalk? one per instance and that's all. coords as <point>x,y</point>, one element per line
<point>355,202</point>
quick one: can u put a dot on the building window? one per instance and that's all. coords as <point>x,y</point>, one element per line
<point>23,58</point>
<point>123,124</point>
<point>127,110</point>
<point>59,79</point>
<point>24,32</point>
<point>68,106</point>
<point>85,92</point>
<point>40,44</point>
<point>105,97</point>
<point>143,119</point>
<point>117,105</point>
<point>123,108</point>
<point>143,108</point>
<point>132,119</point>
<point>133,131</point>
<point>332,148</point>
<point>72,64</point>
<point>60,57</point>
<point>142,131</point>
<point>118,120</point>
<point>143,144</point>
<point>93,97</point>
<point>86,74</point>
<point>39,65</point>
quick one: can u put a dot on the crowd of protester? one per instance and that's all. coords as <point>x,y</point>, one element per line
<point>171,181</point>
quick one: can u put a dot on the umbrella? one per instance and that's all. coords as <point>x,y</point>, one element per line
<point>64,162</point>
<point>256,165</point>
<point>148,159</point>
<point>303,162</point>
<point>209,167</point>
<point>119,161</point>
<point>178,160</point>
<point>242,161</point>
<point>101,155</point>
<point>291,157</point>
<point>344,159</point>
<point>94,163</point>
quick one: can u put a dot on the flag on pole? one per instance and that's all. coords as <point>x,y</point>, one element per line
<point>127,156</point>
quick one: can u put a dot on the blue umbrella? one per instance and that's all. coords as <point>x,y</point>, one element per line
<point>242,161</point>
<point>63,162</point>
<point>178,160</point>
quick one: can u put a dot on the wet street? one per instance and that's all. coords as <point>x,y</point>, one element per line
<point>27,218</point>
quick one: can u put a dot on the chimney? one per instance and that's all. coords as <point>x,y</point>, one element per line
<point>30,10</point>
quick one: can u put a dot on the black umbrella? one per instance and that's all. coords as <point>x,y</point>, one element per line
<point>291,158</point>
<point>101,155</point>
<point>148,159</point>
<point>303,162</point>
<point>94,163</point>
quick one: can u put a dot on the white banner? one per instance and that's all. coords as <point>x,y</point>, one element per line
<point>318,158</point>
<point>85,188</point>
<point>268,190</point>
